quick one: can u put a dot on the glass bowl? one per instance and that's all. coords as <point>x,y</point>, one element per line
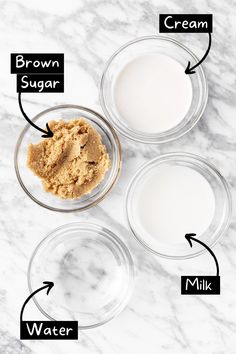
<point>220,216</point>
<point>92,271</point>
<point>152,45</point>
<point>32,184</point>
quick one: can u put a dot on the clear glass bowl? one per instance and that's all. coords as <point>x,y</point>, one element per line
<point>92,271</point>
<point>32,185</point>
<point>222,213</point>
<point>152,45</point>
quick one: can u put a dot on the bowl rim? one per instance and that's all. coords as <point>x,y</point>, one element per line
<point>117,242</point>
<point>147,138</point>
<point>118,148</point>
<point>182,155</point>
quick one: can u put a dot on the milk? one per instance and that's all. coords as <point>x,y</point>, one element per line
<point>171,201</point>
<point>152,93</point>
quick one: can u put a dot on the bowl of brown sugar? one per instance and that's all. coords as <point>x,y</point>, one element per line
<point>74,168</point>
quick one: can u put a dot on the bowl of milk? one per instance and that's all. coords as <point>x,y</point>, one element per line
<point>146,94</point>
<point>177,194</point>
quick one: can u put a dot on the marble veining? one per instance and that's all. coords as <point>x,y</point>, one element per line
<point>157,319</point>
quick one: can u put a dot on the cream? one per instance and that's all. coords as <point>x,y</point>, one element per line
<point>152,93</point>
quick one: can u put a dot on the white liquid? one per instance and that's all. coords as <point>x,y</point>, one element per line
<point>152,93</point>
<point>172,201</point>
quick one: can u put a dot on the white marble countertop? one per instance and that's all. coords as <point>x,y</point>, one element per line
<point>157,319</point>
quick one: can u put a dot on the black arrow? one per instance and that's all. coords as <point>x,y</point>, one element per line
<point>190,70</point>
<point>189,238</point>
<point>49,285</point>
<point>47,133</point>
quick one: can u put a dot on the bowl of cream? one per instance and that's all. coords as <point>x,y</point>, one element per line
<point>177,194</point>
<point>146,93</point>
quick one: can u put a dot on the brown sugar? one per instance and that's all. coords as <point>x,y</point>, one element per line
<point>71,163</point>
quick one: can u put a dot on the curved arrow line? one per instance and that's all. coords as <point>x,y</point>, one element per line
<point>49,286</point>
<point>189,70</point>
<point>190,237</point>
<point>48,133</point>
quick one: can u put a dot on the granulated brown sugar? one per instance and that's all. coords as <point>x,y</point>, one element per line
<point>71,163</point>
